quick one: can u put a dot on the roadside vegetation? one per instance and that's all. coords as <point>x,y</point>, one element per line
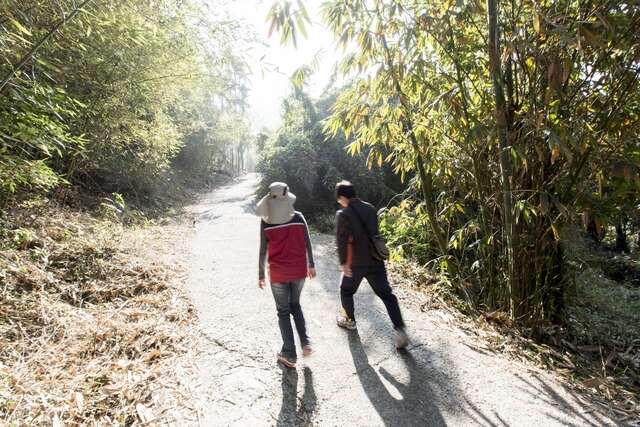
<point>117,97</point>
<point>501,139</point>
<point>93,316</point>
<point>110,114</point>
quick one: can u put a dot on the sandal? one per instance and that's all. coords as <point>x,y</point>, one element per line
<point>286,362</point>
<point>307,351</point>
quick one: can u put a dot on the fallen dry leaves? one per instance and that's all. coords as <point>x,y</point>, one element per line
<point>91,318</point>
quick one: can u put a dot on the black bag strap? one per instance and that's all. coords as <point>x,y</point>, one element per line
<point>362,223</point>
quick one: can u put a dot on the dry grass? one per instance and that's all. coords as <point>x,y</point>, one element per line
<point>91,318</point>
<point>607,373</point>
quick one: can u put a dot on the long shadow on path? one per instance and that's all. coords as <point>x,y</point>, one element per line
<point>357,381</point>
<point>439,379</point>
<point>290,413</point>
<point>417,403</point>
<point>422,391</point>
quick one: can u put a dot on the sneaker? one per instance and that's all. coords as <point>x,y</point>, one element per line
<point>307,351</point>
<point>286,362</point>
<point>345,322</point>
<point>402,340</point>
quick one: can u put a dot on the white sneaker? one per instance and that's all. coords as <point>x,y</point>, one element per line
<point>346,323</point>
<point>402,339</point>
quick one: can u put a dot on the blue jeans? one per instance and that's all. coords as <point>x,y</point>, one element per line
<point>287,297</point>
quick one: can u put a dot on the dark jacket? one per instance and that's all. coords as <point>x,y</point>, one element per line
<point>350,228</point>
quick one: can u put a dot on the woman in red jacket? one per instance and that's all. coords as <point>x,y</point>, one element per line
<point>284,237</point>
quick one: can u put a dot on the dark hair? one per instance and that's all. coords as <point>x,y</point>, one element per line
<point>346,189</point>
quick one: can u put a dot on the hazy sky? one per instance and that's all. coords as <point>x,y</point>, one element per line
<point>270,75</point>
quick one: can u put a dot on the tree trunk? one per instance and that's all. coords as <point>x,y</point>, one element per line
<point>426,177</point>
<point>622,245</point>
<point>495,71</point>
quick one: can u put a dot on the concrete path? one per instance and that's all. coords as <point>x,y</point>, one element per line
<point>355,378</point>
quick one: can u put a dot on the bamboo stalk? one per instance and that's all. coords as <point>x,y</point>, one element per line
<point>497,78</point>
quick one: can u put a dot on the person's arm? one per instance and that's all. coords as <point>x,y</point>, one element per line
<point>262,257</point>
<point>342,236</point>
<point>307,239</point>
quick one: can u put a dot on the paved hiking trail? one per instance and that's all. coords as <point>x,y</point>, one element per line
<point>355,378</point>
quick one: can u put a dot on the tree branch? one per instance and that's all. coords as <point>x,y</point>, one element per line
<point>27,57</point>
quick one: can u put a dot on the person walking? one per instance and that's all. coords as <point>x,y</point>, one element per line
<point>284,237</point>
<point>356,222</point>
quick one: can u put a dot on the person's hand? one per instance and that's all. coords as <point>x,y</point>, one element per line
<point>311,273</point>
<point>346,270</point>
<point>262,283</point>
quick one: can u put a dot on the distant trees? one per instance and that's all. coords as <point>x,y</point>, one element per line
<point>108,95</point>
<point>300,154</point>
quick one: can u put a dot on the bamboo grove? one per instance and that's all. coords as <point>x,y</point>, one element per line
<point>114,96</point>
<point>516,120</point>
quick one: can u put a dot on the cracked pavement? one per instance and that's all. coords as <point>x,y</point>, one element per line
<point>354,378</point>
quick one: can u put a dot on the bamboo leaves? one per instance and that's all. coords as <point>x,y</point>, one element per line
<point>27,56</point>
<point>114,90</point>
<point>19,26</point>
<point>513,110</point>
<point>288,21</point>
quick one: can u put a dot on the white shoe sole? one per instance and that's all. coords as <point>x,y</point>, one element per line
<point>344,326</point>
<point>402,342</point>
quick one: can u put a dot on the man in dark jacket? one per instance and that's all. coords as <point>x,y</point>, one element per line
<point>355,222</point>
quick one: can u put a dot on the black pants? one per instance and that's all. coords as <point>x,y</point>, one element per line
<point>376,275</point>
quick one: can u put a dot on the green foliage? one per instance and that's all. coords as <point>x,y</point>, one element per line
<point>216,141</point>
<point>289,19</point>
<point>23,238</point>
<point>606,305</point>
<point>605,312</point>
<point>325,223</point>
<point>32,137</point>
<point>508,148</point>
<point>112,97</point>
<point>300,155</point>
<point>406,231</point>
<point>113,207</point>
<point>16,172</point>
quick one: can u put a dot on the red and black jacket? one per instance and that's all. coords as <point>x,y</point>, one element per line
<point>289,250</point>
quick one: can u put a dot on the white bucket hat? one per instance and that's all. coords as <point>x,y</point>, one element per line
<point>277,206</point>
